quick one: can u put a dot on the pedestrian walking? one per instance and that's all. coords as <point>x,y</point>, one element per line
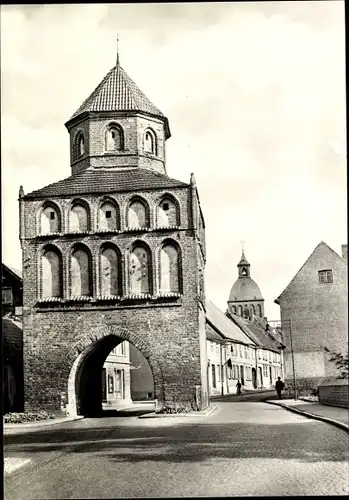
<point>279,386</point>
<point>238,388</point>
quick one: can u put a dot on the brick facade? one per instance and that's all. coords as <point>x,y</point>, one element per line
<point>66,338</point>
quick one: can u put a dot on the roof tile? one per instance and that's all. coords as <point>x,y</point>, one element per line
<point>106,181</point>
<point>117,92</point>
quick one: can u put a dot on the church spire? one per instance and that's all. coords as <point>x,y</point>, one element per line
<point>117,50</point>
<point>243,265</point>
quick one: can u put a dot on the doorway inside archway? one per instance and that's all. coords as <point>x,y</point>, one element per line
<point>254,378</point>
<point>101,377</point>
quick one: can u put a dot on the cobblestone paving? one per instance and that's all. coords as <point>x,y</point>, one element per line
<point>243,448</point>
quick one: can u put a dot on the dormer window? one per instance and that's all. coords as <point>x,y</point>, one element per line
<point>150,142</point>
<point>326,276</point>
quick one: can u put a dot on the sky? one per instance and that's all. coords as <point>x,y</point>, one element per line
<point>255,97</point>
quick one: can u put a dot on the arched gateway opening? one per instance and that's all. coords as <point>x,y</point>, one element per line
<point>86,386</point>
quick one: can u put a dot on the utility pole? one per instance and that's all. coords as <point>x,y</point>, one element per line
<point>222,371</point>
<point>293,367</point>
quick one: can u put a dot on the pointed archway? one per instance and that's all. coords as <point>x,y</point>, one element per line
<point>85,362</point>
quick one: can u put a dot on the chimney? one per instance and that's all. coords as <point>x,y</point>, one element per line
<point>345,252</point>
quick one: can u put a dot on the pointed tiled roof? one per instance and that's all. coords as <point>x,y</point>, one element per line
<point>106,181</point>
<point>255,331</point>
<point>243,260</point>
<point>118,92</point>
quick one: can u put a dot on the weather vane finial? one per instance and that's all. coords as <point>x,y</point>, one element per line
<point>242,245</point>
<point>117,50</point>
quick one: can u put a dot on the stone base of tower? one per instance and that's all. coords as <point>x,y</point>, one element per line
<point>64,353</point>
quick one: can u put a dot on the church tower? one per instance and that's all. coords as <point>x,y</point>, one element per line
<point>118,126</point>
<point>114,252</point>
<point>245,298</point>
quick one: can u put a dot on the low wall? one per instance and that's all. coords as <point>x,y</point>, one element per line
<point>334,393</point>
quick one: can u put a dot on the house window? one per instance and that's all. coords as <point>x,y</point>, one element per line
<point>52,216</point>
<point>7,296</point>
<point>240,349</point>
<point>108,214</point>
<point>110,384</point>
<point>325,276</point>
<point>214,376</point>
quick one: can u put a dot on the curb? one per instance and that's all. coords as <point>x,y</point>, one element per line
<point>249,392</point>
<point>191,414</point>
<point>314,416</point>
<point>10,429</point>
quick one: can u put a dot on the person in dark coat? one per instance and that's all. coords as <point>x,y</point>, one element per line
<point>238,386</point>
<point>279,386</point>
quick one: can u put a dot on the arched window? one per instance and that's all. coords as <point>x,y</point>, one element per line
<point>110,272</point>
<point>81,275</point>
<point>140,270</point>
<point>169,269</point>
<point>253,309</point>
<point>234,309</point>
<point>240,310</point>
<point>259,310</point>
<point>167,213</point>
<point>81,145</point>
<point>108,216</point>
<point>114,140</point>
<point>79,220</point>
<point>50,220</point>
<point>51,273</point>
<point>137,214</point>
<point>149,142</point>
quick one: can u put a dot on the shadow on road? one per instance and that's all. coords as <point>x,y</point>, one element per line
<point>162,441</point>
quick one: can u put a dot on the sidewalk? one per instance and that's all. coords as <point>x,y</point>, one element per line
<point>10,429</point>
<point>330,414</point>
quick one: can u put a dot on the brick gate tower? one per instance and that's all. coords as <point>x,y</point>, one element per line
<point>114,252</point>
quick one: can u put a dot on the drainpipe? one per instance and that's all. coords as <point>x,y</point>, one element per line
<point>222,368</point>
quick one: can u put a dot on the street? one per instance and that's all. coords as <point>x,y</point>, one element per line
<point>243,448</point>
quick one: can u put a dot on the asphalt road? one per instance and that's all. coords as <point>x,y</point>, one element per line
<point>243,448</point>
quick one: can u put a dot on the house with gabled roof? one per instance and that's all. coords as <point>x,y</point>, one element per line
<point>230,353</point>
<point>314,314</point>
